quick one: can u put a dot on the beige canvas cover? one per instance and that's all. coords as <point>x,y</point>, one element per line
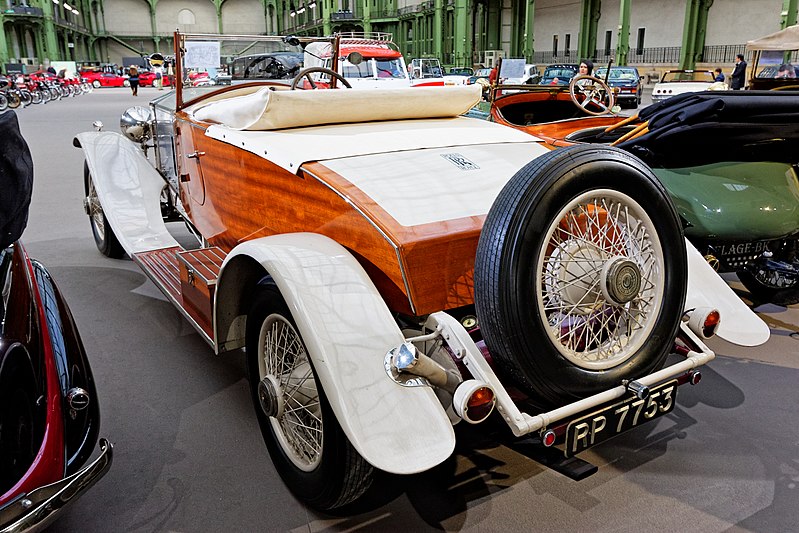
<point>272,110</point>
<point>787,39</point>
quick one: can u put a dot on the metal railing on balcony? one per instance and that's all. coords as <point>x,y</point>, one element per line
<point>406,11</point>
<point>24,10</point>
<point>385,13</point>
<point>343,15</point>
<point>717,54</point>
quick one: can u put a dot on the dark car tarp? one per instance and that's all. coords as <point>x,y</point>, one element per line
<point>706,127</point>
<point>16,179</point>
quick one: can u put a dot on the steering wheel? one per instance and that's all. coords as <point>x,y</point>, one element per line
<point>306,73</point>
<point>594,91</point>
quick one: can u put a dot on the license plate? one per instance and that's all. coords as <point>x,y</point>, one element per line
<point>609,421</point>
<point>743,248</point>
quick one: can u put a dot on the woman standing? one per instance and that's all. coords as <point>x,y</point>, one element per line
<point>134,80</point>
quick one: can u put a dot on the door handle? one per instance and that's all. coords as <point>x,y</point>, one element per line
<point>195,155</point>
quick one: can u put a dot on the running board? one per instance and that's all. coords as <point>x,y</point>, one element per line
<point>188,279</point>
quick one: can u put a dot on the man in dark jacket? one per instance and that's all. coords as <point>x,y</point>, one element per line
<point>738,76</point>
<point>16,180</point>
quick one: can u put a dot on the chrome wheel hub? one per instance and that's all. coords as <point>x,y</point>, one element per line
<point>621,280</point>
<point>270,396</point>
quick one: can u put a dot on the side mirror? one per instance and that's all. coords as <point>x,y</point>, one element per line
<point>355,58</point>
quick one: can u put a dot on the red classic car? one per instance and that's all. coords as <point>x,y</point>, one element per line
<point>147,79</point>
<point>104,79</point>
<point>49,414</point>
<point>394,268</point>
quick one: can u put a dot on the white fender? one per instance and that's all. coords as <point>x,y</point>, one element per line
<point>739,324</point>
<point>129,189</point>
<point>348,329</point>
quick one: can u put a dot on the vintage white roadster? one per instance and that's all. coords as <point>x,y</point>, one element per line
<point>392,268</point>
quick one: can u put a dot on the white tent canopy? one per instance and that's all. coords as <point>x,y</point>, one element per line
<point>787,39</point>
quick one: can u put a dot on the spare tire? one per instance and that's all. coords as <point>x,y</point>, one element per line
<point>580,274</point>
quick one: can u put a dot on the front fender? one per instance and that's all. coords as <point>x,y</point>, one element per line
<point>739,324</point>
<point>129,189</point>
<point>347,330</point>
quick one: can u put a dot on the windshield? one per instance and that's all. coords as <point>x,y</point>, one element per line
<point>560,72</point>
<point>688,75</point>
<point>618,74</point>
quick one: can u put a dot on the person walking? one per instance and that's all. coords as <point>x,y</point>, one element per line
<point>738,76</point>
<point>158,69</point>
<point>133,78</point>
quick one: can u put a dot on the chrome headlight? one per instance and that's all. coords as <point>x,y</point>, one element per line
<point>135,124</point>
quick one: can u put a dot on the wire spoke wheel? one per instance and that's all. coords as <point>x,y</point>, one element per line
<point>575,288</point>
<point>298,421</point>
<point>309,448</point>
<point>598,282</point>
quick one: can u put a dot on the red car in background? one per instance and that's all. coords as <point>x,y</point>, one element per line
<point>104,79</point>
<point>147,79</point>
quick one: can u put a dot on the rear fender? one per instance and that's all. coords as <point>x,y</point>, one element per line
<point>129,189</point>
<point>739,324</point>
<point>347,330</point>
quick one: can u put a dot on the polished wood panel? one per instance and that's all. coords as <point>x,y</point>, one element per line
<point>247,197</point>
<point>199,270</point>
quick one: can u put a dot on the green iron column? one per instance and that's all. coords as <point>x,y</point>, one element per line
<point>462,46</point>
<point>589,22</point>
<point>788,15</point>
<point>49,43</point>
<point>218,6</point>
<point>367,15</point>
<point>438,29</point>
<point>694,32</point>
<point>623,39</point>
<point>154,25</point>
<point>3,42</point>
<point>327,9</point>
<point>528,44</point>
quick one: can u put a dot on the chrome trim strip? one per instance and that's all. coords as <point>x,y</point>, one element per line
<point>372,222</point>
<point>39,508</point>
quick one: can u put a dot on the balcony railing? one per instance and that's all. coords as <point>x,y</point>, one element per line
<point>386,13</point>
<point>342,15</point>
<point>716,54</point>
<point>24,10</point>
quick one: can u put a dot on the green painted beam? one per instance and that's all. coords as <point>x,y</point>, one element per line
<point>590,13</point>
<point>623,39</point>
<point>529,29</point>
<point>694,32</point>
<point>438,29</point>
<point>788,15</point>
<point>4,56</point>
<point>462,45</point>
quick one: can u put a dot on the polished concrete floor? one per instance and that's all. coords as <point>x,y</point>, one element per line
<point>189,456</point>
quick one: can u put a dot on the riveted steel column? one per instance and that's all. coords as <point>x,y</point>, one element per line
<point>589,21</point>
<point>48,45</point>
<point>3,42</point>
<point>694,32</point>
<point>788,15</point>
<point>528,41</point>
<point>366,9</point>
<point>462,45</point>
<point>438,29</point>
<point>623,39</point>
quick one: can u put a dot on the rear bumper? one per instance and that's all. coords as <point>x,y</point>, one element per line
<point>37,509</point>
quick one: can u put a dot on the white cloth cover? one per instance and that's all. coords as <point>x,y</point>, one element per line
<point>270,110</point>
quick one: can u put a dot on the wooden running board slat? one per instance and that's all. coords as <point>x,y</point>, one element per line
<point>162,266</point>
